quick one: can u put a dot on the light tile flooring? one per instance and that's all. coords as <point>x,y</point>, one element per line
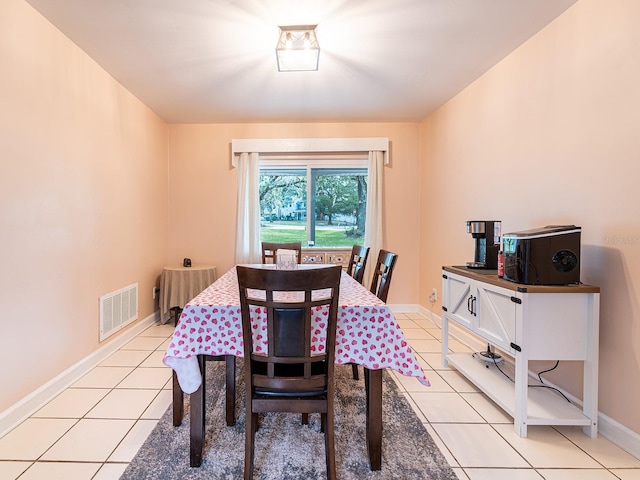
<point>95,427</point>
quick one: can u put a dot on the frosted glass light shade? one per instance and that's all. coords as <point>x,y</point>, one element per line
<point>298,49</point>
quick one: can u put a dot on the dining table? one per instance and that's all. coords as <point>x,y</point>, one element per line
<point>367,334</point>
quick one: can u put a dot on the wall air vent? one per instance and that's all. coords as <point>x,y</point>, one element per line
<point>117,310</point>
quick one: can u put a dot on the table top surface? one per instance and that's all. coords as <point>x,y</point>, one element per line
<point>491,277</point>
<point>181,268</point>
<point>367,332</point>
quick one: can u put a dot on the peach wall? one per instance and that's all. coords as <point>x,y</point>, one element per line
<point>83,209</point>
<point>547,136</point>
<point>550,135</point>
<point>203,191</point>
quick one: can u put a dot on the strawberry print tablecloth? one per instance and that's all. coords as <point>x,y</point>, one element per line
<point>367,332</point>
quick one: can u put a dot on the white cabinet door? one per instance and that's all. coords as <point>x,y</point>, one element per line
<point>496,316</point>
<point>458,299</point>
<point>483,309</point>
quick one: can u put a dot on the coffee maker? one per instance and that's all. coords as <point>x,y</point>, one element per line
<point>487,237</point>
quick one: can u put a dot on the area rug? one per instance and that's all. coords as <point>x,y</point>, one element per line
<point>287,450</point>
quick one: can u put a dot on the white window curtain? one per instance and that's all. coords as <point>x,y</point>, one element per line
<point>373,228</point>
<point>248,249</point>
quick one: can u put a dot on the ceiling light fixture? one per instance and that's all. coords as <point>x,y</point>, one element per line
<point>298,49</point>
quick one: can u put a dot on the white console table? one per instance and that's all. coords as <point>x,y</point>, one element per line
<point>525,322</point>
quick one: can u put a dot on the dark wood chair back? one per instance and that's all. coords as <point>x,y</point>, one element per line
<point>358,262</point>
<point>294,374</point>
<point>381,280</point>
<point>270,249</point>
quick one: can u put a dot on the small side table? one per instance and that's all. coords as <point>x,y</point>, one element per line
<point>178,285</point>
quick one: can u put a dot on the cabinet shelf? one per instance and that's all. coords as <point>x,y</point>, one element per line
<point>544,406</point>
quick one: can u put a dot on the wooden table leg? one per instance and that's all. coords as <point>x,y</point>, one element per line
<point>230,361</point>
<point>197,402</point>
<point>373,387</point>
<point>197,417</point>
<point>176,313</point>
<point>178,395</point>
<point>178,401</point>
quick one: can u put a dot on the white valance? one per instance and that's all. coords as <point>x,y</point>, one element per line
<point>309,145</point>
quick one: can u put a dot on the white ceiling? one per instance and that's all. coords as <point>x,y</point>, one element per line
<point>210,61</point>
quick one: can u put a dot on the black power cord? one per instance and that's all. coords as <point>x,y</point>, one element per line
<point>549,386</point>
<point>493,357</point>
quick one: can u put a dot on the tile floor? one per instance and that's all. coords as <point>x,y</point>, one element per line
<point>94,428</point>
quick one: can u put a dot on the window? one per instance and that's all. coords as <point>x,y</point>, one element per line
<point>318,202</point>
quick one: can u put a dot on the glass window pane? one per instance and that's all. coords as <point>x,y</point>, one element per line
<point>283,206</point>
<point>338,206</point>
<point>334,216</point>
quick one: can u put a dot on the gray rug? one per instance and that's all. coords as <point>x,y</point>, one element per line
<point>287,450</point>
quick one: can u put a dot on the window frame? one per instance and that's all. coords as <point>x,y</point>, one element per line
<point>308,164</point>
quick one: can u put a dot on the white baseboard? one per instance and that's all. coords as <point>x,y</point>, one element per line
<point>617,433</point>
<point>404,308</point>
<point>608,428</point>
<point>31,403</point>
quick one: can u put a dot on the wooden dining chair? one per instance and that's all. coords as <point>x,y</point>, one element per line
<point>380,284</point>
<point>270,249</point>
<point>358,262</point>
<point>355,269</point>
<point>295,374</point>
<point>381,280</point>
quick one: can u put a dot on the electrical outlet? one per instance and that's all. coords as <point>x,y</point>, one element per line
<point>155,292</point>
<point>434,295</point>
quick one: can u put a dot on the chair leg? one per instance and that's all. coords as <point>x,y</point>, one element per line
<point>354,369</point>
<point>250,436</point>
<point>305,419</point>
<point>329,444</point>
